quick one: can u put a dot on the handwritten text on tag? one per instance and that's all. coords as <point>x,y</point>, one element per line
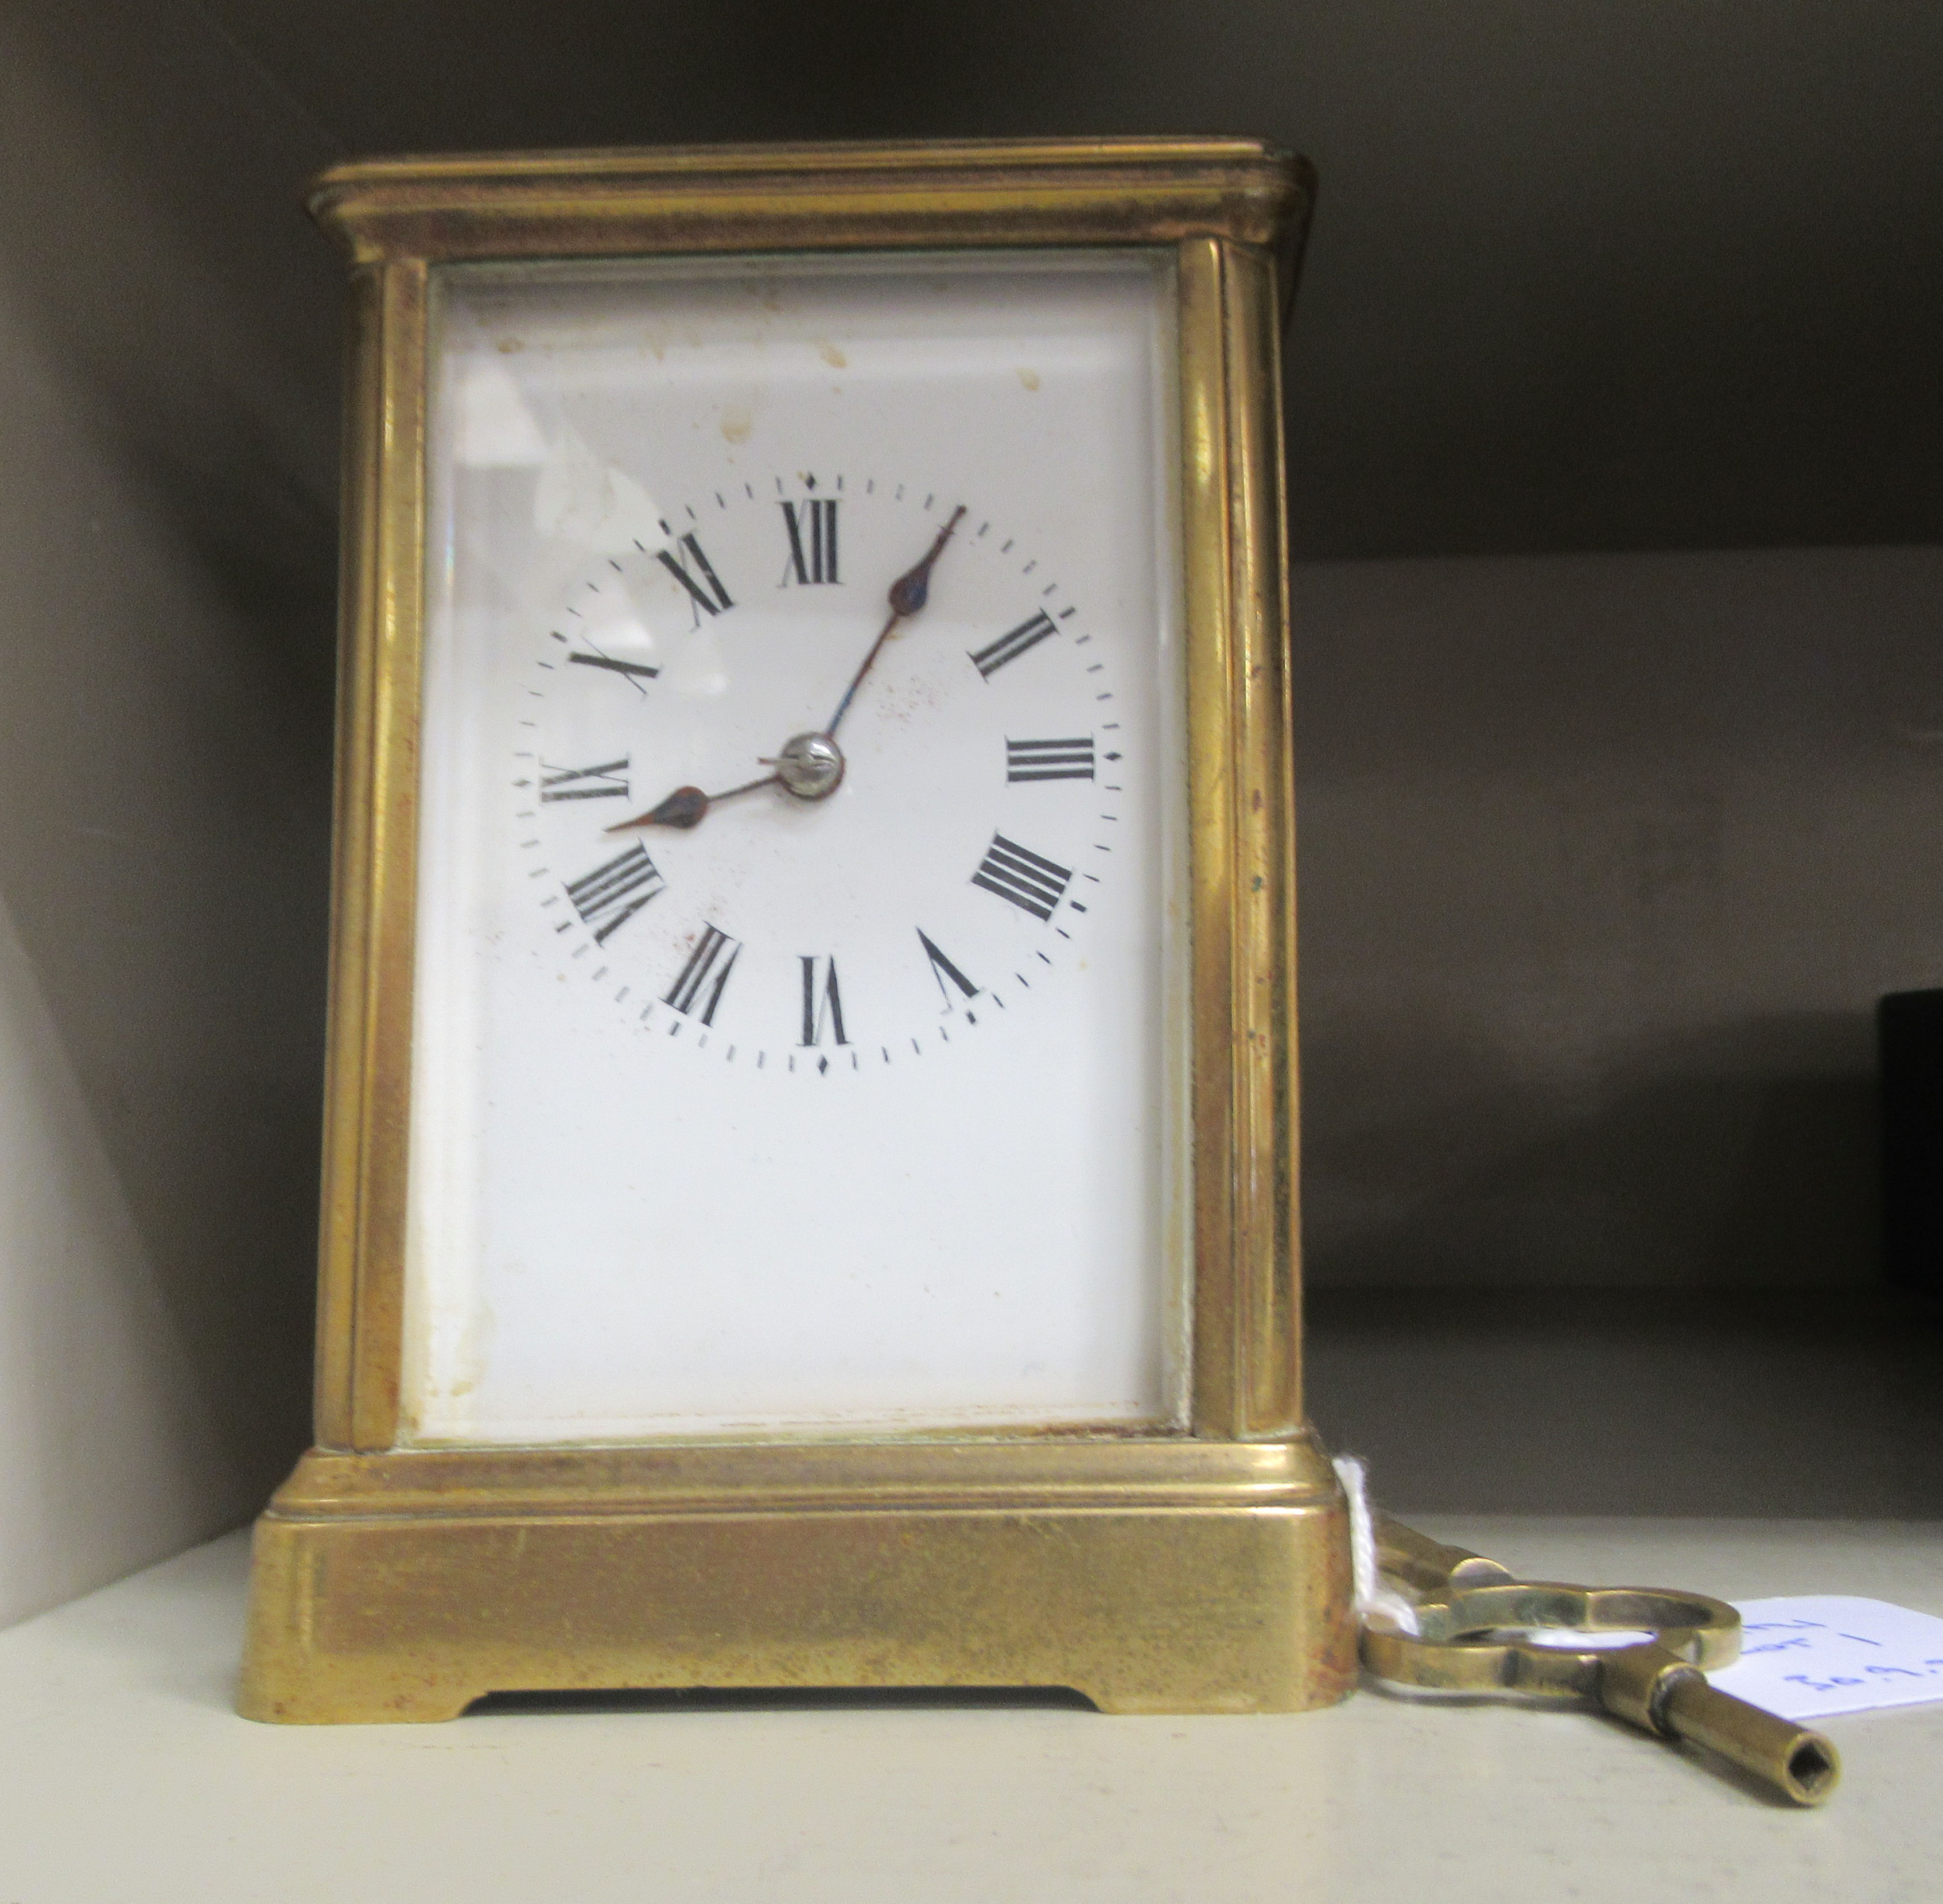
<point>1805,1655</point>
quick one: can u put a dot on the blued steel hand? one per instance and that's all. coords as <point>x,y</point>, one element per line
<point>686,806</point>
<point>808,777</point>
<point>908,594</point>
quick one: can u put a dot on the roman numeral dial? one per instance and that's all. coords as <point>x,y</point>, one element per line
<point>684,561</point>
<point>1022,877</point>
<point>940,901</point>
<point>1014,643</point>
<point>949,977</point>
<point>812,528</point>
<point>822,1002</point>
<point>1067,759</point>
<point>636,671</point>
<point>698,991</point>
<point>610,894</point>
<point>606,781</point>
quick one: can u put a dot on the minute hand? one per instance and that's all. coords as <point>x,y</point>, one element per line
<point>908,594</point>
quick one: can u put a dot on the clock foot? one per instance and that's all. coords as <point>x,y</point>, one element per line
<point>1151,1577</point>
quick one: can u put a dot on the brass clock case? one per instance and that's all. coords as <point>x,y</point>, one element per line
<point>1205,1570</point>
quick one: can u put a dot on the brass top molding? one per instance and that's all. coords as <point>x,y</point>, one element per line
<point>864,196</point>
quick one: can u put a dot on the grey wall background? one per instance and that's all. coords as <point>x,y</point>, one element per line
<point>1614,428</point>
<point>1605,859</point>
<point>1587,273</point>
<point>164,801</point>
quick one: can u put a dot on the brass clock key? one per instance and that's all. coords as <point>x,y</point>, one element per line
<point>1474,1620</point>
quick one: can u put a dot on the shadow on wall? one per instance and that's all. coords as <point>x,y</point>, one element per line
<point>1792,1404</point>
<point>1746,1155</point>
<point>154,241</point>
<point>165,636</point>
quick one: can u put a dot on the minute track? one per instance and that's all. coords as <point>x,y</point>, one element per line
<point>689,973</point>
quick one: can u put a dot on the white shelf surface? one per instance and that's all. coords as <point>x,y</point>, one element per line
<point>124,1775</point>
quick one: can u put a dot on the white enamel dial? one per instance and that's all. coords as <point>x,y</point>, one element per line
<point>851,1100</point>
<point>941,887</point>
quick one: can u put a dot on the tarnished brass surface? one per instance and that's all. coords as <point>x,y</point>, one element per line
<point>368,1082</point>
<point>1801,1764</point>
<point>1200,1572</point>
<point>1473,1617</point>
<point>1172,1576</point>
<point>866,195</point>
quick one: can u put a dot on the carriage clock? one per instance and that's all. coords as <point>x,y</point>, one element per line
<point>809,1183</point>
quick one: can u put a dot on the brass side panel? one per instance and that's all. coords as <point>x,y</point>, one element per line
<point>1242,799</point>
<point>1267,1237</point>
<point>1194,1591</point>
<point>367,1088</point>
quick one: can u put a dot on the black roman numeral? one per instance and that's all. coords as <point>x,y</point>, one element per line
<point>1009,646</point>
<point>702,979</point>
<point>942,968</point>
<point>1033,884</point>
<point>1050,760</point>
<point>610,895</point>
<point>822,1002</point>
<point>607,781</point>
<point>812,540</point>
<point>712,600</point>
<point>636,671</point>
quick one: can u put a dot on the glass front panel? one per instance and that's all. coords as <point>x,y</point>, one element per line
<point>792,1048</point>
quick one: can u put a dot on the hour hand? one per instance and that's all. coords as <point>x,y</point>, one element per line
<point>687,806</point>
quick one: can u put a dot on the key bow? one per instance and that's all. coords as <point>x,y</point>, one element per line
<point>1474,1622</point>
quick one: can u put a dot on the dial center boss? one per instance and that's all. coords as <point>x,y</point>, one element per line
<point>810,766</point>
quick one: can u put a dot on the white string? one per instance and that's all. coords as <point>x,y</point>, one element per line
<point>1373,1594</point>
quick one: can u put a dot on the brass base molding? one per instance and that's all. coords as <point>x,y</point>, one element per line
<point>1151,1576</point>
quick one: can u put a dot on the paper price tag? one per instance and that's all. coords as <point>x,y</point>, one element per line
<point>1806,1656</point>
